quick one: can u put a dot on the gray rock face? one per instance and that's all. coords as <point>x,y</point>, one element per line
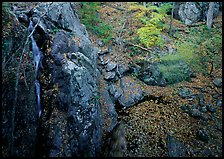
<point>62,14</point>
<point>191,12</point>
<point>60,46</point>
<point>25,118</point>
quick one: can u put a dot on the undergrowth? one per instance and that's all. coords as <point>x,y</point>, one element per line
<point>200,49</point>
<point>152,20</point>
<point>90,17</point>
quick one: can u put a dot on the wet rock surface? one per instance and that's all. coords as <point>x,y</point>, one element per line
<point>23,129</point>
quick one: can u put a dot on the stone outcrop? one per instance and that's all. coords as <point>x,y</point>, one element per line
<point>72,122</point>
<point>191,12</point>
<point>127,91</point>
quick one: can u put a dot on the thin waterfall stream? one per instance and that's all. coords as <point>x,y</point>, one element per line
<point>37,60</point>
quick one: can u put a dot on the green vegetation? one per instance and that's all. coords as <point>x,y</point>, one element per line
<point>185,51</point>
<point>175,71</point>
<point>201,49</point>
<point>153,23</point>
<point>91,19</point>
<point>209,49</point>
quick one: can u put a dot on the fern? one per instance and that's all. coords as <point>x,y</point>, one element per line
<point>153,19</point>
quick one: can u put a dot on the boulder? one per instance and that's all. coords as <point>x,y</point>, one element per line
<point>175,71</point>
<point>184,93</point>
<point>116,143</point>
<point>202,135</point>
<point>164,72</point>
<point>203,109</point>
<point>192,12</point>
<point>100,43</point>
<point>110,66</point>
<point>109,75</point>
<point>115,91</point>
<point>103,60</point>
<point>175,147</point>
<point>217,82</point>
<point>211,108</point>
<point>219,103</point>
<point>194,112</point>
<point>123,69</point>
<point>218,126</point>
<point>201,100</point>
<point>131,91</point>
<point>151,75</point>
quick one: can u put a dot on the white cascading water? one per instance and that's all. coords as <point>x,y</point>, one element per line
<point>37,57</point>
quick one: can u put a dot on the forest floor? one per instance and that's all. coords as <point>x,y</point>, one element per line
<point>149,123</point>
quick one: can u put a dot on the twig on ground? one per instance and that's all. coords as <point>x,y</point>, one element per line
<point>139,47</point>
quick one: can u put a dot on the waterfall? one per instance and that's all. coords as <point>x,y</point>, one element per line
<point>37,58</point>
<point>37,84</point>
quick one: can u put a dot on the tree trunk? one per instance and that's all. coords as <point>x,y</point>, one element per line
<point>210,14</point>
<point>171,20</point>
